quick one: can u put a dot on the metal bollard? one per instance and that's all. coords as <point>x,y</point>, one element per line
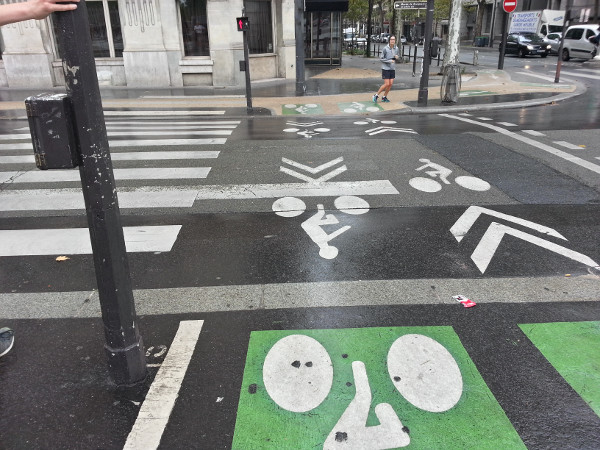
<point>475,57</point>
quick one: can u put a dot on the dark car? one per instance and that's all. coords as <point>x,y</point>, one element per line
<point>524,44</point>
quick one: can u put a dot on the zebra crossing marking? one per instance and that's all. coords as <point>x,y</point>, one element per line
<point>76,241</point>
<point>128,156</point>
<point>148,197</point>
<point>162,113</point>
<point>56,176</point>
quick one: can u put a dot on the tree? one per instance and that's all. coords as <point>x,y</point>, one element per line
<point>479,21</point>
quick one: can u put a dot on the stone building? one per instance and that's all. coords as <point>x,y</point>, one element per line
<point>159,43</point>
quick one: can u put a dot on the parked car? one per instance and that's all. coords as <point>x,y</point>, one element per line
<point>384,37</point>
<point>577,42</point>
<point>524,44</point>
<point>554,40</point>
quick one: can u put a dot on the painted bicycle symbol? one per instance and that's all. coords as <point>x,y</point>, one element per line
<point>429,185</point>
<point>298,375</point>
<point>314,225</point>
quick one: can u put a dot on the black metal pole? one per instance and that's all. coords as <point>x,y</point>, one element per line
<point>414,72</point>
<point>369,29</point>
<point>247,72</point>
<point>423,87</point>
<point>299,28</point>
<point>124,346</point>
<point>503,42</point>
<point>560,47</point>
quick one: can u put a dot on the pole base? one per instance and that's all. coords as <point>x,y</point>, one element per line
<point>422,99</point>
<point>127,366</point>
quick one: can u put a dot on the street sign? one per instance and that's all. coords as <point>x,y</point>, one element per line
<point>410,5</point>
<point>509,5</point>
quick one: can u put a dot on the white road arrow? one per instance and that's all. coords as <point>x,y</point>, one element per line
<point>378,130</point>
<point>485,250</point>
<point>314,170</point>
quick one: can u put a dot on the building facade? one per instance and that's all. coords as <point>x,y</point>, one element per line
<point>159,43</point>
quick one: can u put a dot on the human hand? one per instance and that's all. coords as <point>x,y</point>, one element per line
<point>40,9</point>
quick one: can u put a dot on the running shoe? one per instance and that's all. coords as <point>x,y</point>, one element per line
<point>375,97</point>
<point>384,100</point>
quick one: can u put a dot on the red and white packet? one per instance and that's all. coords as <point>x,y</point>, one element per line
<point>467,303</point>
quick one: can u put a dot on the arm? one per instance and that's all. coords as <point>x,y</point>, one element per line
<point>33,9</point>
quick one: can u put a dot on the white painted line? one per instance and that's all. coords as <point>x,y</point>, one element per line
<point>132,143</point>
<point>507,124</point>
<point>533,132</point>
<point>167,133</point>
<point>154,413</point>
<point>181,128</point>
<point>7,137</point>
<point>55,176</point>
<point>577,74</point>
<point>158,126</point>
<point>325,189</point>
<point>72,199</point>
<point>465,114</point>
<point>163,113</point>
<point>186,97</point>
<point>21,146</point>
<point>484,118</point>
<point>17,159</point>
<point>568,145</point>
<point>556,152</point>
<point>76,241</point>
<point>128,156</point>
<point>112,122</point>
<point>148,156</point>
<point>542,77</point>
<point>163,142</point>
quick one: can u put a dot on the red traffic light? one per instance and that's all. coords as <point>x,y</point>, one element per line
<point>242,23</point>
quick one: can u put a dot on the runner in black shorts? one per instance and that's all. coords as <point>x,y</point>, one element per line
<point>389,56</point>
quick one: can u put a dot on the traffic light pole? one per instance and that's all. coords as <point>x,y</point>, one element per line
<point>124,347</point>
<point>424,84</point>
<point>247,72</point>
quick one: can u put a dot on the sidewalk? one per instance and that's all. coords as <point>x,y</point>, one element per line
<point>339,91</point>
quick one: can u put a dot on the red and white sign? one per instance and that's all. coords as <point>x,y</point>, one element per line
<point>509,5</point>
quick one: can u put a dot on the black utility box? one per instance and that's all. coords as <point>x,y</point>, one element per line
<point>52,131</point>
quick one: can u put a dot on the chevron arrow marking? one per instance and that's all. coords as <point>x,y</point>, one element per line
<point>490,241</point>
<point>314,170</point>
<point>464,223</point>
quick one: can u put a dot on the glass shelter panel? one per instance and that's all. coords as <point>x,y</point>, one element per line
<point>323,43</point>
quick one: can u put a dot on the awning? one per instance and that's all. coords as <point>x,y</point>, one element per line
<point>325,5</point>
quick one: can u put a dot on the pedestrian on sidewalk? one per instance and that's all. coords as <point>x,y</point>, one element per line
<point>17,12</point>
<point>389,56</point>
<point>33,9</point>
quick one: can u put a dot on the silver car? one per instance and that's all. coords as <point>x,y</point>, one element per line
<point>554,40</point>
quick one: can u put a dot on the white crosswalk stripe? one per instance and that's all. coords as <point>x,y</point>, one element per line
<point>144,143</point>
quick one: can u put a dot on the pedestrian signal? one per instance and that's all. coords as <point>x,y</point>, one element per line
<point>243,24</point>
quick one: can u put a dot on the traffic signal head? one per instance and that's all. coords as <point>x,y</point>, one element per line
<point>242,23</point>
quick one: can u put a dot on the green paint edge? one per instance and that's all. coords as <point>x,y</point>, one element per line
<point>573,349</point>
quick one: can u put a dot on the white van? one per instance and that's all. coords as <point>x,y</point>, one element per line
<point>577,42</point>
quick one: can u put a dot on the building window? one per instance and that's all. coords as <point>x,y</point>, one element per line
<point>194,27</point>
<point>105,28</point>
<point>260,35</point>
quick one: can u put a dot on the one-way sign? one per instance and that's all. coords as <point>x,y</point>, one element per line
<point>410,5</point>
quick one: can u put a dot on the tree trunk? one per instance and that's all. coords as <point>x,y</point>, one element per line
<point>453,44</point>
<point>479,21</point>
